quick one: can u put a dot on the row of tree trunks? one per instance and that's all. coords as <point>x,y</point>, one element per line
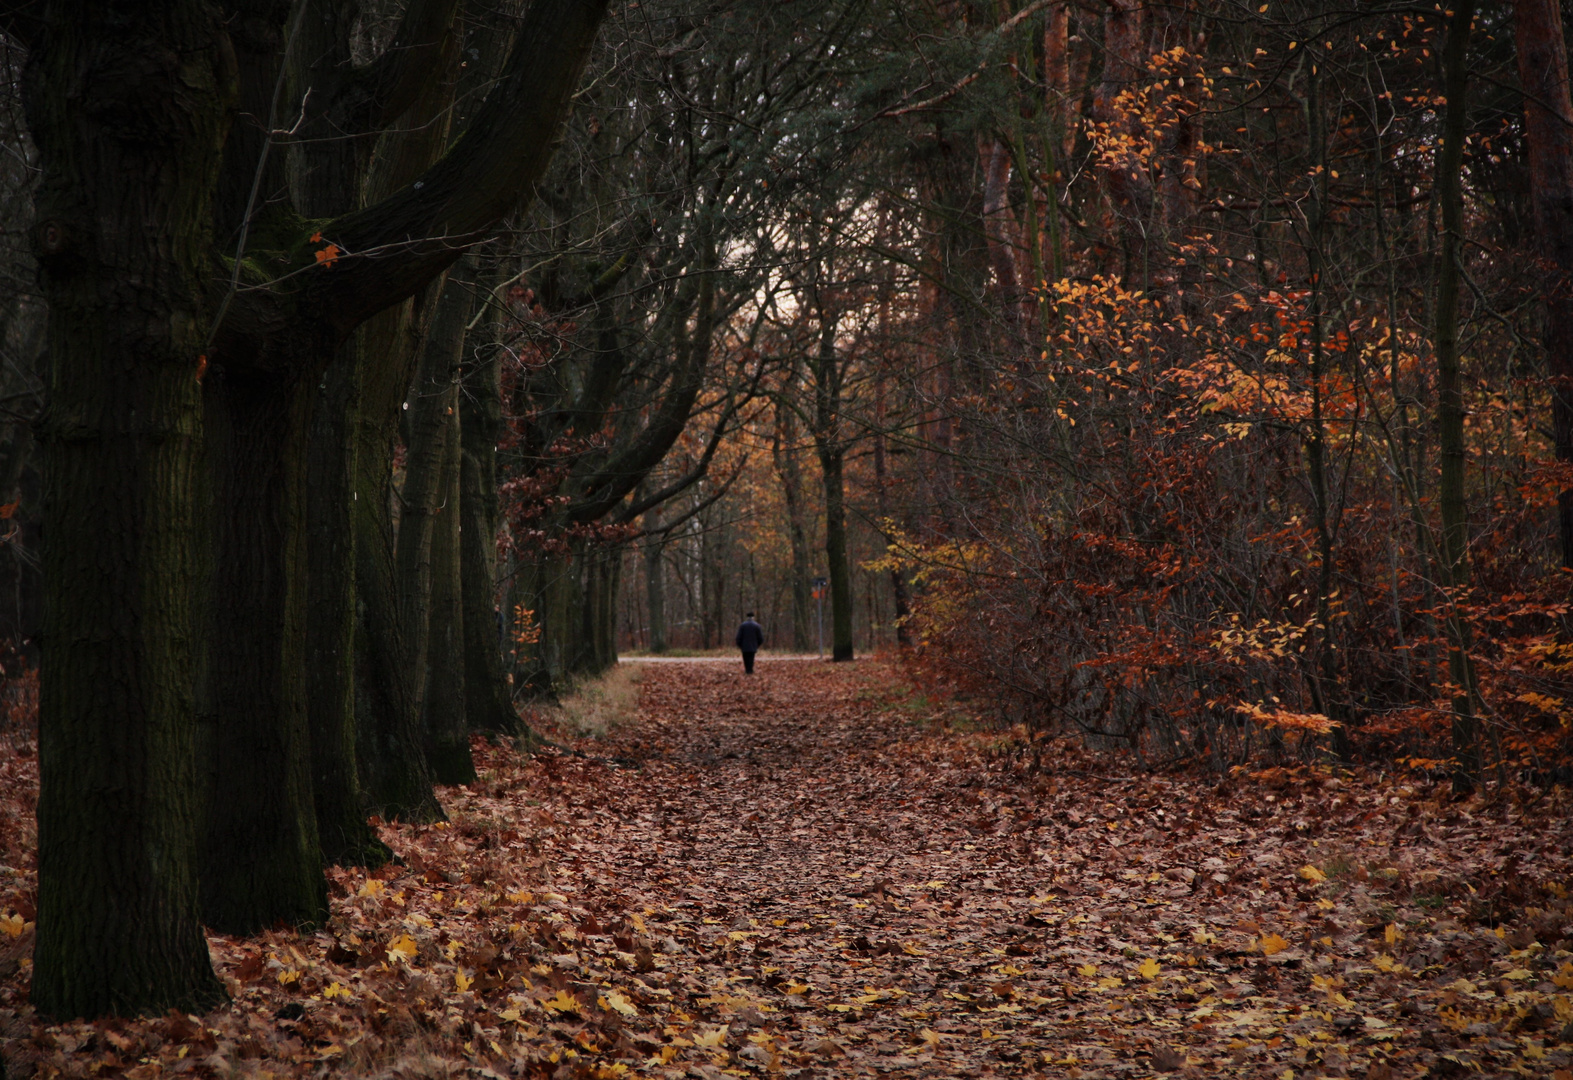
<point>177,455</point>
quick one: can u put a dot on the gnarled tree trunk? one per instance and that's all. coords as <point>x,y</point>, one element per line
<point>128,107</point>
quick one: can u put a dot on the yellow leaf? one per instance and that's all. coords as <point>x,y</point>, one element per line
<point>839,1008</point>
<point>933,884</point>
<point>373,887</point>
<point>1311,873</point>
<point>1087,970</point>
<point>402,947</point>
<point>336,990</point>
<point>1272,944</point>
<point>564,1002</point>
<point>1149,969</point>
<point>1518,975</point>
<point>615,1000</point>
<point>1564,976</point>
<point>711,1038</point>
<point>1325,904</point>
<point>462,981</point>
<point>1203,937</point>
<point>797,988</point>
<point>12,926</point>
<point>1387,963</point>
<point>1393,934</point>
<point>930,1037</point>
<point>288,976</point>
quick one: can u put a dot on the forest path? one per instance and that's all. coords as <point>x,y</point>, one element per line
<point>808,873</point>
<point>833,884</point>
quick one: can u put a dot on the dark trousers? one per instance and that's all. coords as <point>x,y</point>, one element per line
<point>748,663</point>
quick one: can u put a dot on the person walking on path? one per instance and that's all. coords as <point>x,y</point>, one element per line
<point>749,637</point>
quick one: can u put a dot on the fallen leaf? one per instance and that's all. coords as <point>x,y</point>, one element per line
<point>615,1000</point>
<point>563,1002</point>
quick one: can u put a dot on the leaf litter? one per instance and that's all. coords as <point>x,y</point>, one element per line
<point>812,873</point>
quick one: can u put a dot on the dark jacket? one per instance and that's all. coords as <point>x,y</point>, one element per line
<point>750,636</point>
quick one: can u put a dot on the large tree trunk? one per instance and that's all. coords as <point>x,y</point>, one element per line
<point>1548,126</point>
<point>430,403</point>
<point>430,526</point>
<point>326,175</point>
<point>1450,397</point>
<point>346,836</point>
<point>261,863</point>
<point>487,697</point>
<point>447,725</point>
<point>128,108</point>
<point>389,740</point>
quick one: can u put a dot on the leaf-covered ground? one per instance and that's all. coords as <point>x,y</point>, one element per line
<point>807,873</point>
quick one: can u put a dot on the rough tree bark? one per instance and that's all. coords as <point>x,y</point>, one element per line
<point>128,108</point>
<point>429,542</point>
<point>128,103</point>
<point>1548,126</point>
<point>487,697</point>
